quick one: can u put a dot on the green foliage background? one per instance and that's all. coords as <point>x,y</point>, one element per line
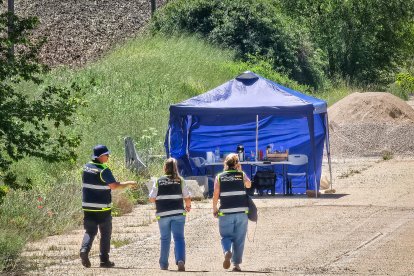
<point>252,28</point>
<point>314,42</point>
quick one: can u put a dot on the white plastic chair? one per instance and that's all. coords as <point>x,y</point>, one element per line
<point>200,164</point>
<point>297,160</point>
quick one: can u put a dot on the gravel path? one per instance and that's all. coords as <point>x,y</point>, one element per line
<point>364,229</point>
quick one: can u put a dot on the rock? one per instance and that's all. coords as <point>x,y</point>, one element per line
<point>198,186</point>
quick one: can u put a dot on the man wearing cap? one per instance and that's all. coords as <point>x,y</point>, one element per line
<point>98,182</point>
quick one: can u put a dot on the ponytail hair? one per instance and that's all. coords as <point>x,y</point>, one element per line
<point>171,168</point>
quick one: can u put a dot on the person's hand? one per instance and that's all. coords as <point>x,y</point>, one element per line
<point>215,212</point>
<point>131,183</point>
<point>188,208</point>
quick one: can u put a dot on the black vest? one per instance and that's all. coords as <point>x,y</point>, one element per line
<point>169,200</point>
<point>96,194</point>
<point>233,198</point>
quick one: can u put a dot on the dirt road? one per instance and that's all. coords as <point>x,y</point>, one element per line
<point>366,228</point>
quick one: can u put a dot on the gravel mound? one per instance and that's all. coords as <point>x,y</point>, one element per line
<point>371,124</point>
<point>79,31</point>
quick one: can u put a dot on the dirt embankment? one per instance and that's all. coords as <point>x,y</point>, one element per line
<point>79,31</point>
<point>371,124</point>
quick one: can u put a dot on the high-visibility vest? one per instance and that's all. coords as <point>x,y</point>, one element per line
<point>96,194</point>
<point>233,197</point>
<point>169,200</point>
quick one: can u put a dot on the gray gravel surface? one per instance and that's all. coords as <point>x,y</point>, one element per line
<point>364,229</point>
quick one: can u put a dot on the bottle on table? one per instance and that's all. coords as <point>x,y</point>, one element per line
<point>240,152</point>
<point>217,154</point>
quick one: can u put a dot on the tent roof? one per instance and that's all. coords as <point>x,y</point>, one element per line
<point>250,93</point>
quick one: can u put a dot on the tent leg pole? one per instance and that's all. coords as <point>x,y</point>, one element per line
<point>257,138</point>
<point>328,149</point>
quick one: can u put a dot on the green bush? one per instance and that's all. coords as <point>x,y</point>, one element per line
<point>11,244</point>
<point>251,27</point>
<point>403,86</point>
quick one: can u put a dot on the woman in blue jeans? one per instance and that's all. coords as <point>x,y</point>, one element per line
<point>230,187</point>
<point>169,194</point>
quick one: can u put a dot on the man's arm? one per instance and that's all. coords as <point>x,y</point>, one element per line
<point>122,185</point>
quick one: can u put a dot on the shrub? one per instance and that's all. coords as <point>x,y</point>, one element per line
<point>387,155</point>
<point>251,27</point>
<point>11,244</point>
<point>404,85</point>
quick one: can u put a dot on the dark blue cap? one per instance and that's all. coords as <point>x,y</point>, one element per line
<point>99,150</point>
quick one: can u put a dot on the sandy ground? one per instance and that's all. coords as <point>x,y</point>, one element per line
<point>365,228</point>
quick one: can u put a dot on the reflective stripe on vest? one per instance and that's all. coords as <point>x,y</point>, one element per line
<point>168,213</point>
<point>233,193</point>
<point>95,205</point>
<point>95,187</point>
<point>169,197</point>
<point>234,210</point>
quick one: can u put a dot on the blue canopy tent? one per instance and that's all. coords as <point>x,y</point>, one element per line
<point>252,111</point>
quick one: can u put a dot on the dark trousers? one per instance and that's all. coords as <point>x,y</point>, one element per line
<point>91,222</point>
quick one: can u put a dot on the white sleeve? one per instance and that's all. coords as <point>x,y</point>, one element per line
<point>186,192</point>
<point>154,190</point>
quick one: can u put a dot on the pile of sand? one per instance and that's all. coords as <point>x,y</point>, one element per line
<point>370,124</point>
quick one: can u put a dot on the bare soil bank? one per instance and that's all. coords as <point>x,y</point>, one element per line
<point>78,32</point>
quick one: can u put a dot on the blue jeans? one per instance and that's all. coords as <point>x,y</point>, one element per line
<point>174,225</point>
<point>233,229</point>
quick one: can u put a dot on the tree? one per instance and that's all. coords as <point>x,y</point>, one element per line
<point>365,40</point>
<point>31,123</point>
<point>257,28</point>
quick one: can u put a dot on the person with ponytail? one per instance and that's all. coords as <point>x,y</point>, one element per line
<point>230,187</point>
<point>172,201</point>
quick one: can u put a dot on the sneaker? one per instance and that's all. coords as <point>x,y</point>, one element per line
<point>164,268</point>
<point>85,259</point>
<point>227,257</point>
<point>181,266</point>
<point>236,268</point>
<point>107,264</point>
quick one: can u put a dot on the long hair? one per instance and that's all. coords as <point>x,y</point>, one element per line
<point>171,169</point>
<point>231,161</point>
